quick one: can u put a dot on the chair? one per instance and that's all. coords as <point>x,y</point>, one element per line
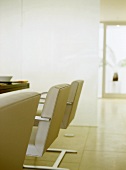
<point>48,127</point>
<point>69,114</point>
<point>72,102</point>
<point>17,112</point>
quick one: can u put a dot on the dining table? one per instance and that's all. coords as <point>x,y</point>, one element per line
<point>13,86</point>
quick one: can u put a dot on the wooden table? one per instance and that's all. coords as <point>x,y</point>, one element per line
<point>13,87</point>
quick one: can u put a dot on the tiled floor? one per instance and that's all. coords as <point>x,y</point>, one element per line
<point>98,148</point>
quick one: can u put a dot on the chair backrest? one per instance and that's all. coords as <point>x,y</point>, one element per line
<point>47,131</point>
<point>72,102</point>
<point>17,112</point>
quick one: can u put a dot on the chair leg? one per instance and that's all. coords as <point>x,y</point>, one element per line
<point>57,162</point>
<point>43,167</point>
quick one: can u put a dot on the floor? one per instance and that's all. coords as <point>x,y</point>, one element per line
<point>98,148</point>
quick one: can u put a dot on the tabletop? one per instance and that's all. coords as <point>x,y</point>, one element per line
<point>13,87</point>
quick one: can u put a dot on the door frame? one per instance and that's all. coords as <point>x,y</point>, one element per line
<point>104,94</point>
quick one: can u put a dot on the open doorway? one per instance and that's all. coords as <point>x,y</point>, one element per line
<point>112,60</point>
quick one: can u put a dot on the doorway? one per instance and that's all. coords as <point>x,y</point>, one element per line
<point>112,67</point>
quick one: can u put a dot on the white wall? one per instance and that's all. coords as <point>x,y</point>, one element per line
<point>59,44</point>
<point>10,38</point>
